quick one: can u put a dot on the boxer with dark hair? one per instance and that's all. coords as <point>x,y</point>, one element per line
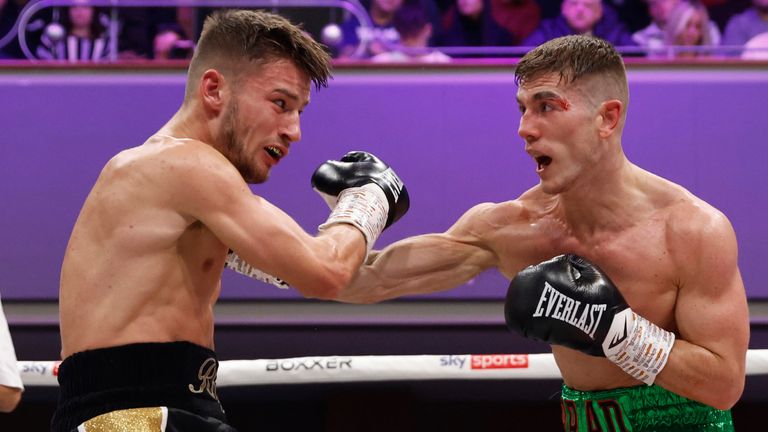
<point>656,337</point>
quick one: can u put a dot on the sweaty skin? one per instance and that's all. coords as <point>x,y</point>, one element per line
<point>145,257</point>
<point>672,256</point>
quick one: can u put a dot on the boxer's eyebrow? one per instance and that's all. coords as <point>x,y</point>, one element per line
<point>291,95</point>
<point>554,97</point>
<point>547,95</point>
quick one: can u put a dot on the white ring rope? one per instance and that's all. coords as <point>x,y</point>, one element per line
<point>302,370</point>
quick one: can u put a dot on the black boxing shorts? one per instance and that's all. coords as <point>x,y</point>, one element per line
<point>179,377</point>
<point>154,419</point>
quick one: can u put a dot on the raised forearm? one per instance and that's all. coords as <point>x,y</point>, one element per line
<point>315,266</point>
<point>328,262</point>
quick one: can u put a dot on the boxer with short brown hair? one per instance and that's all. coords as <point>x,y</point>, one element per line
<point>143,266</point>
<point>672,258</point>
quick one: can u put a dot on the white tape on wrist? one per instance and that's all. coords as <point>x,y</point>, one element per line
<point>239,265</point>
<point>365,207</point>
<point>638,346</point>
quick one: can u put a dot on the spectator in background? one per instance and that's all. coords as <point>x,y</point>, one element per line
<point>748,24</point>
<point>469,23</point>
<point>518,17</point>
<point>756,48</point>
<point>81,36</point>
<point>375,39</point>
<point>412,24</point>
<point>134,39</point>
<point>171,43</point>
<point>10,380</point>
<point>720,11</point>
<point>652,38</point>
<point>632,13</point>
<point>585,17</point>
<point>688,25</point>
<point>139,27</point>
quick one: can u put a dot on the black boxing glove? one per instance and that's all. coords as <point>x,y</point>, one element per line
<point>570,302</point>
<point>362,191</point>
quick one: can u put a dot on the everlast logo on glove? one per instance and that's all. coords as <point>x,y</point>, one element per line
<point>556,305</point>
<point>564,301</point>
<point>589,301</point>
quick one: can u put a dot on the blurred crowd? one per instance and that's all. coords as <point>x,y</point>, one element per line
<point>408,30</point>
<point>85,33</point>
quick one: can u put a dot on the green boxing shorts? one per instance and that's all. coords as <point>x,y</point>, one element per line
<point>642,408</point>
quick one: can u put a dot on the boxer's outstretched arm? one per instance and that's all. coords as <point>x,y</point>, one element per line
<point>707,362</point>
<point>427,263</point>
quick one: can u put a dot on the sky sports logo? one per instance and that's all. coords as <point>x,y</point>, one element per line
<point>499,361</point>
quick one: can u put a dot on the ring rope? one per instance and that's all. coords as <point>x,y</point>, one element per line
<point>325,369</point>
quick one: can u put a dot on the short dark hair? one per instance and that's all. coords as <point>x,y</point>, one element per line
<point>258,37</point>
<point>573,57</point>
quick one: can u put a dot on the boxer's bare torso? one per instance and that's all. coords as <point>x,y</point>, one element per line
<point>671,255</point>
<point>145,257</point>
<point>648,240</point>
<point>640,245</point>
<point>136,268</point>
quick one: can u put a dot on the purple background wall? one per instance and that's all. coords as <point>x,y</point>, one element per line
<point>451,134</point>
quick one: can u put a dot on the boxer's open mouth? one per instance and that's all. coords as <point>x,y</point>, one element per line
<point>274,152</point>
<point>543,161</point>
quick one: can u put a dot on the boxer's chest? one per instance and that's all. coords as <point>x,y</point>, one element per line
<point>641,267</point>
<point>637,259</point>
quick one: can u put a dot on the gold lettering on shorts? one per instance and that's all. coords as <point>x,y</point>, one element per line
<point>207,377</point>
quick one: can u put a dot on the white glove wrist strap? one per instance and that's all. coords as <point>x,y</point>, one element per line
<point>239,265</point>
<point>645,350</point>
<point>365,207</point>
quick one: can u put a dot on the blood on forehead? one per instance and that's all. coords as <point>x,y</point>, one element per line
<point>553,97</point>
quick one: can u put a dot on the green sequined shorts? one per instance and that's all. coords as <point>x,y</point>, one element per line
<point>642,408</point>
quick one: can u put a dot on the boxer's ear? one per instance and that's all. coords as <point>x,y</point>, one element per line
<point>610,117</point>
<point>211,91</point>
